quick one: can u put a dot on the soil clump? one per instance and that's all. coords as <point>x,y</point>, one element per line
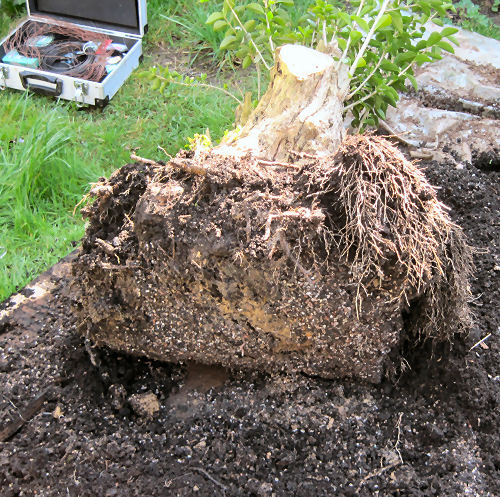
<point>308,266</point>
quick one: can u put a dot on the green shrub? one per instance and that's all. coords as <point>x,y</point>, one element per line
<point>469,17</point>
<point>379,42</point>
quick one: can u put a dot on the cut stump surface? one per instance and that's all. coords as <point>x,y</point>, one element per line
<point>301,110</point>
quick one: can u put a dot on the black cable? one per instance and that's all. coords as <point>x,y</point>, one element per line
<point>66,57</point>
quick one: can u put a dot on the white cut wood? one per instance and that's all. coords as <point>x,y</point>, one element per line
<point>301,110</point>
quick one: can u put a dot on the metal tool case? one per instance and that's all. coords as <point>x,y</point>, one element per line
<point>123,21</point>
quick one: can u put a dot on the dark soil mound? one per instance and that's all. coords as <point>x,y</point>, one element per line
<point>433,432</point>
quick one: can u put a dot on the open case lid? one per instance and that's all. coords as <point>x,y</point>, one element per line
<point>123,16</point>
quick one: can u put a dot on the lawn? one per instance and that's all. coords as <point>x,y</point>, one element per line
<point>51,152</point>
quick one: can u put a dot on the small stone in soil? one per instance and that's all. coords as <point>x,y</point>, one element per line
<point>145,405</point>
<point>118,395</point>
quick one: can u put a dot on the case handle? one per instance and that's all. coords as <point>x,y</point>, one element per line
<point>55,90</point>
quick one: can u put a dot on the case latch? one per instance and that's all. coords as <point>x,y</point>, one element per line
<point>81,91</point>
<point>4,76</point>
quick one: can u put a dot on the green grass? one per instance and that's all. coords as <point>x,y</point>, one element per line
<point>40,182</point>
<point>50,152</point>
<point>182,23</point>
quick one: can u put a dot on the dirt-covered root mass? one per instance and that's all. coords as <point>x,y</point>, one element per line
<point>316,266</point>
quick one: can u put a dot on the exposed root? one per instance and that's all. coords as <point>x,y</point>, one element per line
<point>185,165</point>
<point>278,164</point>
<point>288,251</point>
<point>388,209</point>
<point>315,216</point>
<point>442,310</point>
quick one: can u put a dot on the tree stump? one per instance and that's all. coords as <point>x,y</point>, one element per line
<point>301,110</point>
<point>237,258</point>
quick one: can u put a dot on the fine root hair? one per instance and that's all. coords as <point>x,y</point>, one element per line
<point>385,209</point>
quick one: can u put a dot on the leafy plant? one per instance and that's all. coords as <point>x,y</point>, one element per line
<point>469,17</point>
<point>161,76</point>
<point>379,42</point>
<point>253,30</point>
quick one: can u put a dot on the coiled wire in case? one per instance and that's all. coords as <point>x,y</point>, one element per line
<point>67,57</point>
<point>65,48</point>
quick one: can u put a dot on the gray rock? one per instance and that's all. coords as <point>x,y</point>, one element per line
<point>455,113</point>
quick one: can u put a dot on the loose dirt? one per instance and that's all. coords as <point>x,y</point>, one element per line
<point>432,431</point>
